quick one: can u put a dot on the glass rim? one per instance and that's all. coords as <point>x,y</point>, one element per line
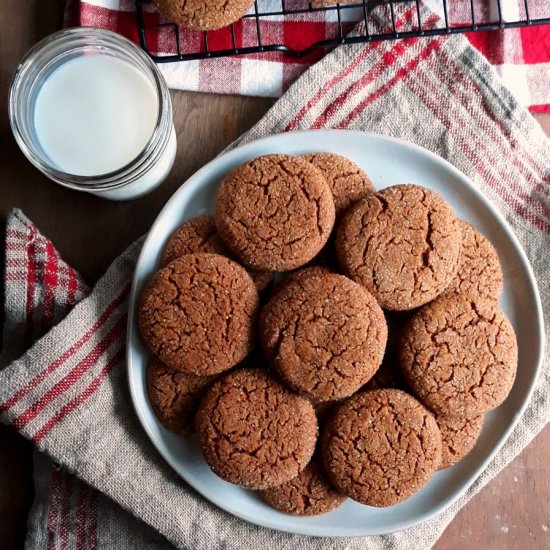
<point>134,168</point>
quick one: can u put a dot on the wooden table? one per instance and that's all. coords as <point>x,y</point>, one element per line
<point>512,512</point>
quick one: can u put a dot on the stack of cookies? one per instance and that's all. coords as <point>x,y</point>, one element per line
<point>323,340</point>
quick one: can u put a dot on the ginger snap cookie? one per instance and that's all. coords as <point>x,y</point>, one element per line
<point>309,494</point>
<point>275,212</point>
<point>195,235</point>
<point>458,436</point>
<point>479,272</point>
<point>175,395</point>
<point>254,432</point>
<point>200,235</point>
<point>348,183</point>
<point>198,314</point>
<point>203,16</point>
<point>324,334</point>
<point>298,274</point>
<point>381,446</point>
<point>402,243</point>
<point>459,355</point>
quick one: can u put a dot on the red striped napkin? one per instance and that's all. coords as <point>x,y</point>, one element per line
<point>520,56</point>
<point>40,290</point>
<point>68,392</point>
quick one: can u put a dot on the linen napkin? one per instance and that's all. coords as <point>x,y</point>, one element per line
<point>520,56</point>
<point>68,393</point>
<point>40,289</point>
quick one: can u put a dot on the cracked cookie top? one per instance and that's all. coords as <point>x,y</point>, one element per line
<point>298,274</point>
<point>198,313</point>
<point>348,183</point>
<point>275,212</point>
<point>402,243</point>
<point>254,432</point>
<point>175,395</point>
<point>309,494</point>
<point>195,235</point>
<point>200,235</point>
<point>459,355</point>
<point>203,15</point>
<point>458,436</point>
<point>381,446</point>
<point>324,334</point>
<point>479,272</point>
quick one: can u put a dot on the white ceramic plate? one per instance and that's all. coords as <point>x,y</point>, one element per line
<point>387,161</point>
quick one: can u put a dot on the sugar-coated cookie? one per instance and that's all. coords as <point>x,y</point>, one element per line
<point>254,432</point>
<point>402,243</point>
<point>324,334</point>
<point>348,183</point>
<point>198,314</point>
<point>175,395</point>
<point>380,447</point>
<point>275,212</point>
<point>310,493</point>
<point>459,355</point>
<point>200,235</point>
<point>479,273</point>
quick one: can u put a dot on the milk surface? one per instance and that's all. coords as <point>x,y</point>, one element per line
<point>94,114</point>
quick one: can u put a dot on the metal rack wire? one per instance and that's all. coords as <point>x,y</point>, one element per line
<point>166,42</point>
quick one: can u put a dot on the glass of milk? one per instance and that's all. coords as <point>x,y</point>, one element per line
<point>92,112</point>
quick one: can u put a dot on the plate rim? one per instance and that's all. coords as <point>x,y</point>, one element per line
<point>487,203</point>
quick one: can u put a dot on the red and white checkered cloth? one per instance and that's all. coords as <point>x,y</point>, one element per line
<point>520,56</point>
<point>40,290</point>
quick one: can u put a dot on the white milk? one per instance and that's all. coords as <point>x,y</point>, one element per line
<point>149,181</point>
<point>94,114</point>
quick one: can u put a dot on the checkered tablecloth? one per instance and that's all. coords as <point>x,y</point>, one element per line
<point>520,56</point>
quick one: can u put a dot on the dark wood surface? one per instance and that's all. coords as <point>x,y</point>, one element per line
<point>512,512</point>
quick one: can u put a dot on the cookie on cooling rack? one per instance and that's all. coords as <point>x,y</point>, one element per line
<point>203,16</point>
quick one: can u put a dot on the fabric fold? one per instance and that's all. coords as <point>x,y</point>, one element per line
<point>40,289</point>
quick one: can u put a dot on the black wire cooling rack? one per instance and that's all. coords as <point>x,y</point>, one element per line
<point>260,31</point>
